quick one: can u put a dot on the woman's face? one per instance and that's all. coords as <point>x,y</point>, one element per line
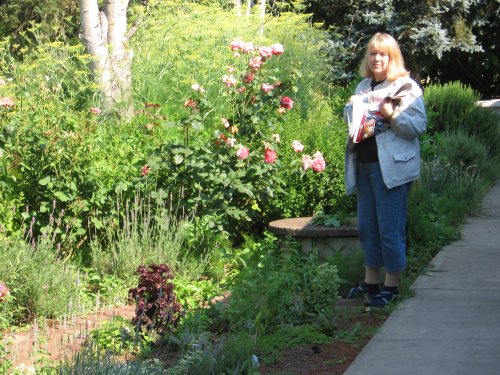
<point>378,61</point>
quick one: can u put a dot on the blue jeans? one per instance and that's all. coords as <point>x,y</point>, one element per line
<point>381,219</point>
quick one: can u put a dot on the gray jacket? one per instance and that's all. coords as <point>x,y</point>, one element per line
<point>398,146</point>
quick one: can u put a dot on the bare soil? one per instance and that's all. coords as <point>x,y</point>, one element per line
<point>326,359</point>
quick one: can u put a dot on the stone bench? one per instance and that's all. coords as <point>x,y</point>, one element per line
<point>326,240</point>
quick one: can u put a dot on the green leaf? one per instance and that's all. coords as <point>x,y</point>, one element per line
<point>197,125</point>
<point>44,181</point>
<point>178,159</point>
<point>61,196</point>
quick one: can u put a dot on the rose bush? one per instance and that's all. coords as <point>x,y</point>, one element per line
<point>232,175</point>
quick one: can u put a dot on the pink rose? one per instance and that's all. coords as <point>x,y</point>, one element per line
<point>318,163</point>
<point>286,102</point>
<point>242,153</point>
<point>265,51</point>
<point>225,122</point>
<point>190,103</point>
<point>2,82</point>
<point>266,87</point>
<point>4,292</point>
<point>6,102</point>
<point>306,162</point>
<point>255,62</point>
<point>145,170</point>
<point>247,47</point>
<point>277,49</point>
<point>95,111</point>
<point>249,77</point>
<point>270,156</point>
<point>229,80</point>
<point>236,45</point>
<point>231,69</point>
<point>297,146</point>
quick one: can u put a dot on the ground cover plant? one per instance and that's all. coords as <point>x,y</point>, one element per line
<point>233,129</point>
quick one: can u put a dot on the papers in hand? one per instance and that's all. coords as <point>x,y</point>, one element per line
<point>363,115</point>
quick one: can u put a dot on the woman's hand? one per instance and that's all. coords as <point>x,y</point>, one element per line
<point>387,108</point>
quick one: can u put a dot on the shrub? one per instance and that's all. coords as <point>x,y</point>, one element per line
<point>323,287</point>
<point>448,106</point>
<point>35,294</point>
<point>117,337</point>
<point>231,354</point>
<point>157,308</point>
<point>460,149</point>
<point>300,70</point>
<point>279,288</point>
<point>148,233</point>
<point>323,130</point>
<point>453,107</point>
<point>483,124</point>
<point>234,174</point>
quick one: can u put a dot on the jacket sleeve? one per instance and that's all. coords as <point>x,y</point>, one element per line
<point>409,119</point>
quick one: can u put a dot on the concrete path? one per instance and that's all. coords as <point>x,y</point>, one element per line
<point>452,324</point>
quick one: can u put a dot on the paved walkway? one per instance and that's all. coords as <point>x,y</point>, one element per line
<point>452,324</point>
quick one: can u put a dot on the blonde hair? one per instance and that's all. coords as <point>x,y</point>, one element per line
<point>384,42</point>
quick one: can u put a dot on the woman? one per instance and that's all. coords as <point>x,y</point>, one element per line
<point>381,168</point>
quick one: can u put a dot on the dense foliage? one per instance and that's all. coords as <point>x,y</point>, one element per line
<point>442,41</point>
<point>54,18</point>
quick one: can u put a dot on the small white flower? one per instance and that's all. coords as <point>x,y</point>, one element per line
<point>197,87</point>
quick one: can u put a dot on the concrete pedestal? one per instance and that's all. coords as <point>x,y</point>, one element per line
<point>325,240</point>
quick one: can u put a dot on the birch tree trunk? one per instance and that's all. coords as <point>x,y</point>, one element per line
<point>249,7</point>
<point>104,34</point>
<point>237,6</point>
<point>262,16</point>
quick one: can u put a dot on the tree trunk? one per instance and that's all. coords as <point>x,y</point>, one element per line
<point>237,6</point>
<point>104,36</point>
<point>262,16</point>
